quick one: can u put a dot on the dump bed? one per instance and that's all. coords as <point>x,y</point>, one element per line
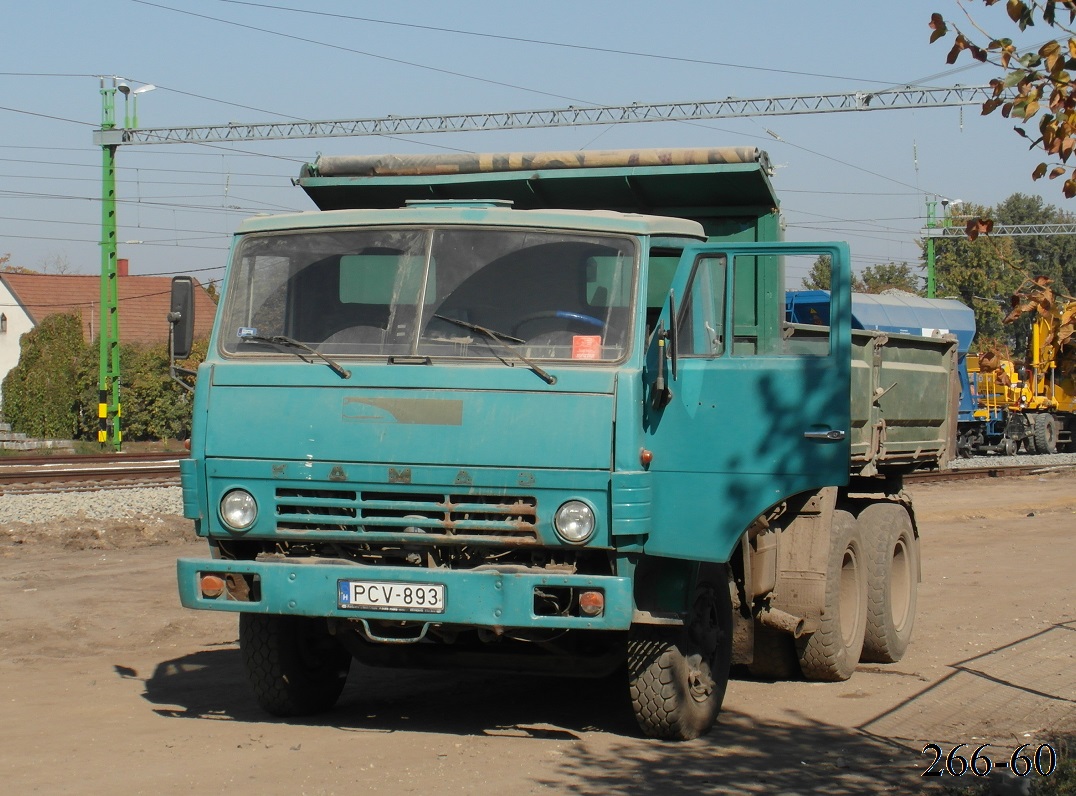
<point>904,401</point>
<point>726,189</point>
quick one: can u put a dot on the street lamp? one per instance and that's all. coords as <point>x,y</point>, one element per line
<point>930,235</point>
<point>131,122</point>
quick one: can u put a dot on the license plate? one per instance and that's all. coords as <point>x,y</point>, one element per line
<point>376,595</point>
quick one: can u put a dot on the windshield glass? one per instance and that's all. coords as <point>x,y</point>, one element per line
<point>433,292</point>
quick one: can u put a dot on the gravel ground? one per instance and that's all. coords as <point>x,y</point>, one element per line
<point>1056,460</point>
<point>104,504</point>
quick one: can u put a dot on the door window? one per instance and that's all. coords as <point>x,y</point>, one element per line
<point>758,309</point>
<point>701,325</point>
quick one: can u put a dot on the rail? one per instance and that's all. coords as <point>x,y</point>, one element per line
<point>26,474</point>
<point>970,473</point>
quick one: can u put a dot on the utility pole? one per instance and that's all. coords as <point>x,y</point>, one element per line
<point>932,206</point>
<point>108,380</point>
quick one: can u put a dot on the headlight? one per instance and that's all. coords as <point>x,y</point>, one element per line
<point>574,522</point>
<point>238,509</point>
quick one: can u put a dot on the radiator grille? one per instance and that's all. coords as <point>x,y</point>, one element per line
<point>451,514</point>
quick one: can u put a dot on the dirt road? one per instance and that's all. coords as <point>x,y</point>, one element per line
<point>108,685</point>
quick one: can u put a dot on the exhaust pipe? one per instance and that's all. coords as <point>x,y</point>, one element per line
<point>783,621</point>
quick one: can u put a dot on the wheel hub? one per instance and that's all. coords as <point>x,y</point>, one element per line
<point>699,681</point>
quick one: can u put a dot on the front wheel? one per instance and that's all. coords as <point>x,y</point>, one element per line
<point>295,666</point>
<point>677,676</point>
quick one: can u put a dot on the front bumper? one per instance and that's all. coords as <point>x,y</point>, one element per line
<point>487,598</point>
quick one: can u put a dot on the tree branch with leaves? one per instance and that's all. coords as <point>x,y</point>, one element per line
<point>1035,82</point>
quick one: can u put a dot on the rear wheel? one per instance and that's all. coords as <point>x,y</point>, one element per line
<point>677,676</point>
<point>892,581</point>
<point>1045,433</point>
<point>832,651</point>
<point>294,665</point>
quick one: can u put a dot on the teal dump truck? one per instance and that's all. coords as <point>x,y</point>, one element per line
<point>544,412</point>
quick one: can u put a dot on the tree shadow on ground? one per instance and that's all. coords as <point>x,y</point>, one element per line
<point>601,748</point>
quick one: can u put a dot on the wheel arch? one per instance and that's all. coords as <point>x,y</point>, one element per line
<point>664,587</point>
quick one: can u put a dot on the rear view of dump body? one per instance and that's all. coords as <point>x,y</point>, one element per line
<point>915,408</point>
<point>904,398</point>
<point>559,438</point>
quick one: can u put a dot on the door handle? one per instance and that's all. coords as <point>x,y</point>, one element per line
<point>833,435</point>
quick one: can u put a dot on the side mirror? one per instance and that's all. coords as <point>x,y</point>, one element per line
<point>181,328</point>
<point>181,318</point>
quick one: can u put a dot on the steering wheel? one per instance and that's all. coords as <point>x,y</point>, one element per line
<point>577,317</point>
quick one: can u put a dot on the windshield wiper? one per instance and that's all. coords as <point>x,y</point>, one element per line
<point>505,340</point>
<point>287,342</point>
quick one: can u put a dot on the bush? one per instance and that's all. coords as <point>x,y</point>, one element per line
<point>41,393</point>
<point>153,406</point>
<point>52,392</point>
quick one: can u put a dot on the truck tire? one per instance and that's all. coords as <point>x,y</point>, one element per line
<point>677,676</point>
<point>892,581</point>
<point>1045,434</point>
<point>832,651</point>
<point>295,666</point>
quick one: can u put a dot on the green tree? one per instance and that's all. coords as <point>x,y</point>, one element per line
<point>821,276</point>
<point>818,278</point>
<point>889,276</point>
<point>1034,84</point>
<point>41,393</point>
<point>154,406</point>
<point>1047,255</point>
<point>983,274</point>
<point>874,279</point>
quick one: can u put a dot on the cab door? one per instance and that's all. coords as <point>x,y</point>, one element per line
<point>742,409</point>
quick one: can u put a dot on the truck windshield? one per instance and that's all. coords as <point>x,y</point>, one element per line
<point>423,292</point>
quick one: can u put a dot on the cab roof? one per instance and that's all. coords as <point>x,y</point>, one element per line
<point>480,214</point>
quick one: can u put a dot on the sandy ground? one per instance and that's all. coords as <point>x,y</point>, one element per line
<point>108,685</point>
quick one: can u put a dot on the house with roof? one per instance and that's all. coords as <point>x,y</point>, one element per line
<point>144,302</point>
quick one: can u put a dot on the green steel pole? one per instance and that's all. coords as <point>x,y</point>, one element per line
<point>108,381</point>
<point>931,288</point>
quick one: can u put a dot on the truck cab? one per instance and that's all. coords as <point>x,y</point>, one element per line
<point>458,431</point>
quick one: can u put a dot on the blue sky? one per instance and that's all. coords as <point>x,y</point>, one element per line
<point>860,177</point>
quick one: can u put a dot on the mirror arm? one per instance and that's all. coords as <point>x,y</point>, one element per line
<point>662,394</point>
<point>671,336</point>
<point>174,371</point>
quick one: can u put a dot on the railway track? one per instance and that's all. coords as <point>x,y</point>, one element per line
<point>26,474</point>
<point>1000,471</point>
